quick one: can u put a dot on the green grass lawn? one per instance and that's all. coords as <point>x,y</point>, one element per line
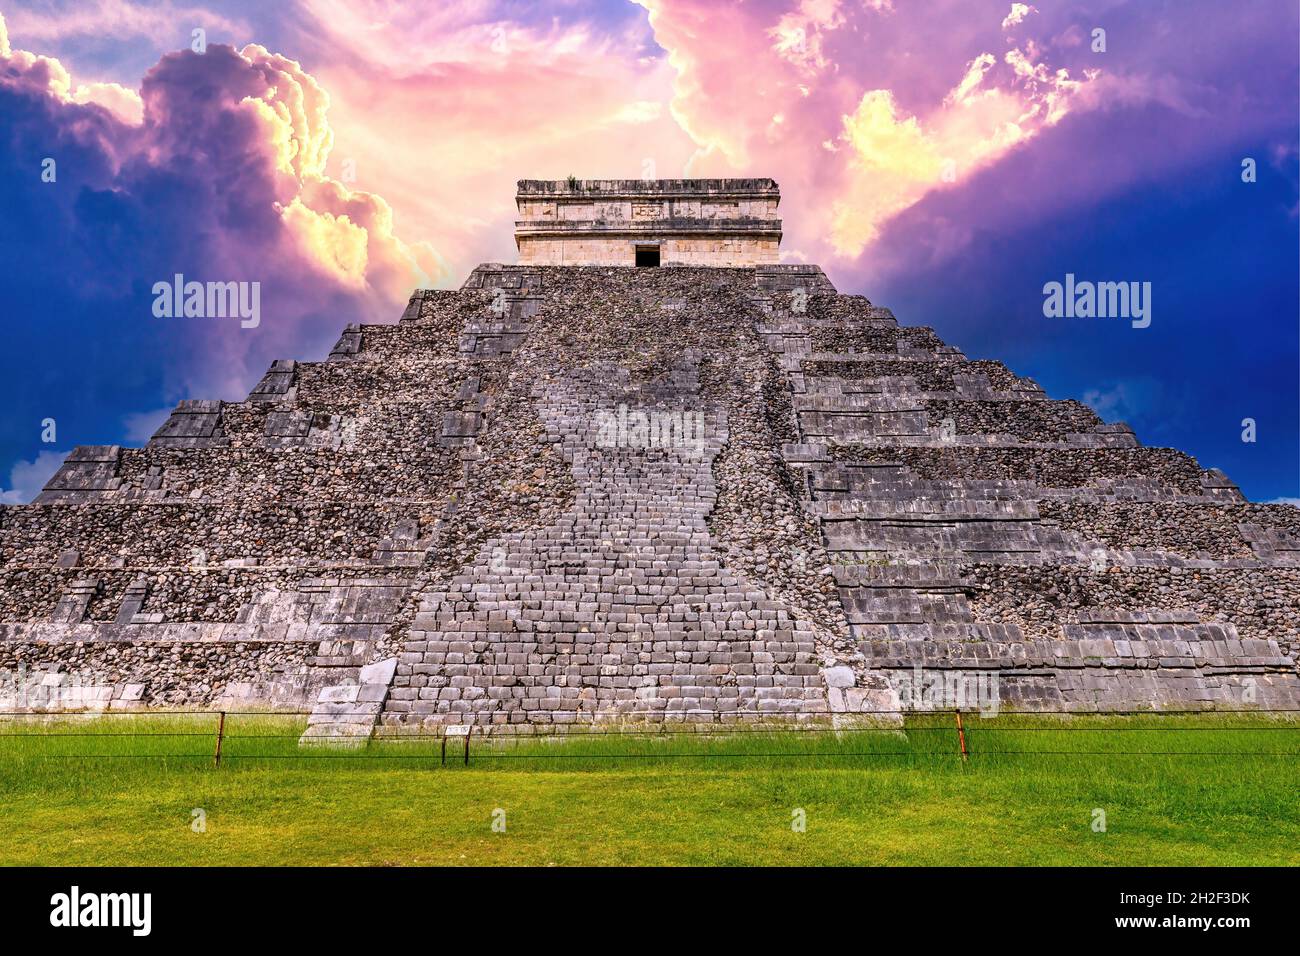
<point>123,790</point>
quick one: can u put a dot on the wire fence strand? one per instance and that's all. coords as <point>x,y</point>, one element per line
<point>776,736</point>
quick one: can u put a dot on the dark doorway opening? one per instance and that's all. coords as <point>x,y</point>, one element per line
<point>647,255</point>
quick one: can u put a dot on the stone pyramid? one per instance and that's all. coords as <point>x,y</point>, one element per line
<point>590,491</point>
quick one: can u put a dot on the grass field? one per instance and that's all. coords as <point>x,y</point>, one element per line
<point>125,790</point>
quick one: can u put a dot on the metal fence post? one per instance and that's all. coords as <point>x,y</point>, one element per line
<point>221,732</point>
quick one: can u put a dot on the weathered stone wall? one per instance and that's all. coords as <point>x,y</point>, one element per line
<point>718,222</point>
<point>1260,602</point>
<point>978,530</point>
<point>623,607</point>
<point>198,534</point>
<point>1060,467</point>
<point>438,525</point>
<point>127,673</point>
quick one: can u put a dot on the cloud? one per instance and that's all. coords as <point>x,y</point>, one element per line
<point>1294,502</point>
<point>240,164</point>
<point>416,38</point>
<point>1112,403</point>
<point>895,159</point>
<point>979,66</point>
<point>797,37</point>
<point>860,111</point>
<point>442,109</point>
<point>1132,400</point>
<point>221,177</point>
<point>27,478</point>
<point>848,81</point>
<point>122,102</point>
<point>1017,15</point>
<point>34,72</point>
<point>162,22</point>
<point>140,426</point>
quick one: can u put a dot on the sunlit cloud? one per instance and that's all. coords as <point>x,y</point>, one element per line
<point>896,159</point>
<point>232,183</point>
<point>1017,15</point>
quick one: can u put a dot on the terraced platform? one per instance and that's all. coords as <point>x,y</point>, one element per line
<point>563,494</point>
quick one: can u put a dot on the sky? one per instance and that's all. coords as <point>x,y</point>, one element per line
<point>947,159</point>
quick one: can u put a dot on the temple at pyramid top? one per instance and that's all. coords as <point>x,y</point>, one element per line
<point>648,222</point>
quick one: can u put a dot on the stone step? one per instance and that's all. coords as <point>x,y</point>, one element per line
<point>345,714</point>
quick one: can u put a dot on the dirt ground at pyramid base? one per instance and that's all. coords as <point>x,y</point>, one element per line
<point>1201,790</point>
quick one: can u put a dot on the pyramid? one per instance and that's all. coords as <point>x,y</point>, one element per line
<point>578,489</point>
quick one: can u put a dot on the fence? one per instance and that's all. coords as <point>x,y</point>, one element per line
<point>261,735</point>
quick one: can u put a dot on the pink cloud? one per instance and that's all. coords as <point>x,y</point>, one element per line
<point>161,21</point>
<point>856,146</point>
<point>441,113</point>
<point>221,177</point>
<point>861,111</point>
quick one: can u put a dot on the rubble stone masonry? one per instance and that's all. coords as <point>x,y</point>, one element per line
<point>436,525</point>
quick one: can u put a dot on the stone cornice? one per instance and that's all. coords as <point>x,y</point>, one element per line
<point>652,188</point>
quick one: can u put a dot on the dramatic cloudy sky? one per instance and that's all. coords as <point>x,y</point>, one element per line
<point>943,158</point>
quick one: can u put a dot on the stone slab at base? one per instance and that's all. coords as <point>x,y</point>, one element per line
<point>345,714</point>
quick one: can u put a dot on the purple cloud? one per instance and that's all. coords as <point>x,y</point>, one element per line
<point>221,180</point>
